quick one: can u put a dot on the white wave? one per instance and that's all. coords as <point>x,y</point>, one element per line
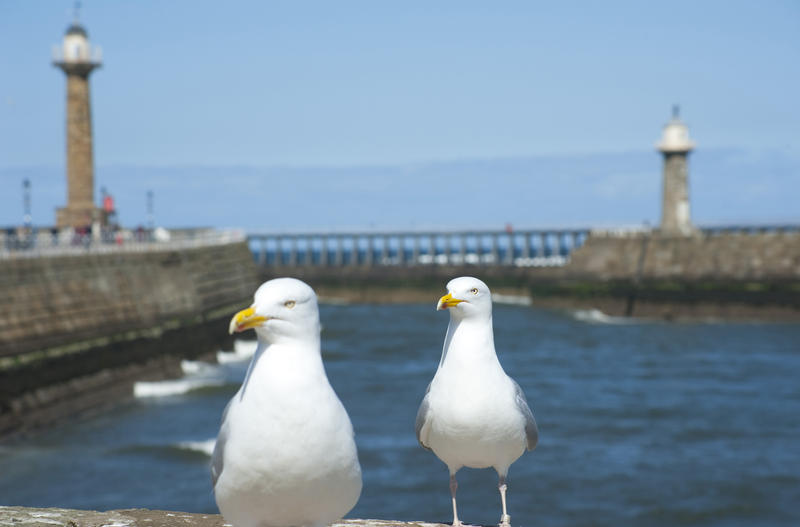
<point>514,300</point>
<point>245,347</point>
<point>199,368</point>
<point>197,374</point>
<point>243,351</point>
<point>206,447</point>
<point>173,387</point>
<point>224,357</point>
<point>595,316</point>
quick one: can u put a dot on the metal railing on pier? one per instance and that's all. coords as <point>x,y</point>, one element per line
<point>520,248</point>
<point>706,230</point>
<point>33,243</point>
<point>528,248</point>
<point>768,228</point>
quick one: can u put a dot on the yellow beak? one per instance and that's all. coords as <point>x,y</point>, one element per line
<point>447,301</point>
<point>245,319</point>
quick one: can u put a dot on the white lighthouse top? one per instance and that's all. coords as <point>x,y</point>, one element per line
<point>675,138</point>
<point>76,44</point>
<point>75,48</point>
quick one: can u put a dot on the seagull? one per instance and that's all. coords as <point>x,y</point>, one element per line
<point>473,414</point>
<point>285,455</point>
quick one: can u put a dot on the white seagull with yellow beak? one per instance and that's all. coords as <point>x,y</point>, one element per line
<point>473,414</point>
<point>285,454</point>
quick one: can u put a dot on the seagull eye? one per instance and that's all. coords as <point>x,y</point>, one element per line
<point>474,290</point>
<point>289,304</point>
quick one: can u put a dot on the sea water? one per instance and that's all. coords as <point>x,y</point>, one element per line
<point>641,423</point>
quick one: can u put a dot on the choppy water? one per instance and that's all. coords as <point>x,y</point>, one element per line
<point>641,423</point>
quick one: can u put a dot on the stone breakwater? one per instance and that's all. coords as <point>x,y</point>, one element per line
<point>33,517</point>
<point>731,256</point>
<point>76,331</point>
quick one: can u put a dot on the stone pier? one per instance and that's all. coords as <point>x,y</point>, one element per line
<point>35,517</point>
<point>77,330</point>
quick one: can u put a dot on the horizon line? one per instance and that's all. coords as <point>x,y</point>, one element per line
<point>398,163</point>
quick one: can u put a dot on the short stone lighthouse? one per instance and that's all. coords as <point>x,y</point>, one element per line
<point>675,145</point>
<point>77,59</point>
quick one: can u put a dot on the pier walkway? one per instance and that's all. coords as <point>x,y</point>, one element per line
<point>528,248</point>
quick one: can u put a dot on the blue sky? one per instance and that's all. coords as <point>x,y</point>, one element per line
<point>194,92</point>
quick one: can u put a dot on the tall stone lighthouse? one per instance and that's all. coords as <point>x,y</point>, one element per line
<point>675,146</point>
<point>77,59</point>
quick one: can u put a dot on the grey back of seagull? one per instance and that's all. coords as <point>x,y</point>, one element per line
<point>422,417</point>
<point>531,430</point>
<point>217,462</point>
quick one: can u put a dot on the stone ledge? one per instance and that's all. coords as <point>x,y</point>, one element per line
<point>34,517</point>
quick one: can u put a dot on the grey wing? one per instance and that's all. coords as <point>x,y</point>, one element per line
<point>531,430</point>
<point>422,417</point>
<point>217,462</point>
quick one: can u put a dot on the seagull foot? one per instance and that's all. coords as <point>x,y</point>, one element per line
<point>505,521</point>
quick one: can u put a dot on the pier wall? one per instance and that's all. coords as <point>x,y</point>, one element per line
<point>77,329</point>
<point>734,256</point>
<point>726,275</point>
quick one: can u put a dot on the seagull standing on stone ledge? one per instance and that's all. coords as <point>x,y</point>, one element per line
<point>473,414</point>
<point>285,454</point>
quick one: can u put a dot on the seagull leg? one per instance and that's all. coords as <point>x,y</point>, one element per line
<point>505,519</point>
<point>453,489</point>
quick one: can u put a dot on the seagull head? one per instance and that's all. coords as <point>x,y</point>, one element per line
<point>282,308</point>
<point>467,297</point>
